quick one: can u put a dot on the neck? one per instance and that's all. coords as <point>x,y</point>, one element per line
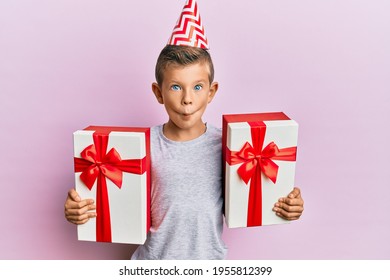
<point>174,133</point>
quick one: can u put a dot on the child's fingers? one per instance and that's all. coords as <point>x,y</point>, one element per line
<point>69,205</point>
<point>77,215</point>
<point>291,201</point>
<point>79,209</point>
<point>288,208</point>
<point>84,203</point>
<point>79,220</point>
<point>288,215</point>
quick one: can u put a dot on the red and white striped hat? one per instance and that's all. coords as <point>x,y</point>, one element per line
<point>189,30</point>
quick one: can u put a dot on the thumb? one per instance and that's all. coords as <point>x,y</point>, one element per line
<point>295,193</point>
<point>74,195</point>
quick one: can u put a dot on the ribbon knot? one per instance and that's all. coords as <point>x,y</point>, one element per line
<point>95,163</point>
<point>251,160</point>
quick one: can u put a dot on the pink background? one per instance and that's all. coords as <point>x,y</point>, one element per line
<point>67,64</point>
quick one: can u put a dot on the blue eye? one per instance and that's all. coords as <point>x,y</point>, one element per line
<point>198,87</point>
<point>175,87</point>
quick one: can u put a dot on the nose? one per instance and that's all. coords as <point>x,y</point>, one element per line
<point>187,98</point>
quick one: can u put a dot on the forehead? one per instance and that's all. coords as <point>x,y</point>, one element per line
<point>186,73</point>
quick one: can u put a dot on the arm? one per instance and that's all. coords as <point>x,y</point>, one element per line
<point>290,207</point>
<point>76,209</point>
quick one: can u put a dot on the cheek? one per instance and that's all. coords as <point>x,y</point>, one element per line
<point>202,105</point>
<point>205,99</point>
<point>170,104</point>
<point>169,100</point>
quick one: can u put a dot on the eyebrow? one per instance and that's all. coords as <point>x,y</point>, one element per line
<point>177,82</point>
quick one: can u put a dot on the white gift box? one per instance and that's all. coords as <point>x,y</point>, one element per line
<point>245,206</point>
<point>125,204</point>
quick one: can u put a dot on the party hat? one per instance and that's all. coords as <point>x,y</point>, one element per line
<point>189,30</point>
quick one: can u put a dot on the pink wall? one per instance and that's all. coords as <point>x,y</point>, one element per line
<point>67,64</point>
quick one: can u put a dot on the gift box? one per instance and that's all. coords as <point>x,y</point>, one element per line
<point>112,166</point>
<point>259,155</point>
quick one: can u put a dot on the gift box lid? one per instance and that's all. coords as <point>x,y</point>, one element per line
<point>108,129</point>
<point>255,117</point>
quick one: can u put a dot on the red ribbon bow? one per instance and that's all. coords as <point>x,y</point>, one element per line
<point>256,160</point>
<point>250,159</point>
<point>96,164</point>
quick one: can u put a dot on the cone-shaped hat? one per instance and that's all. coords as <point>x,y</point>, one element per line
<point>189,30</point>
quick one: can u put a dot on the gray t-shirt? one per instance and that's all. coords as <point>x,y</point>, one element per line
<point>186,199</point>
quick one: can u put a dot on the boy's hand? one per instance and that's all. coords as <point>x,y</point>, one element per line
<point>76,210</point>
<point>290,207</point>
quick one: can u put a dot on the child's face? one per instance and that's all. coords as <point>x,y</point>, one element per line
<point>185,93</point>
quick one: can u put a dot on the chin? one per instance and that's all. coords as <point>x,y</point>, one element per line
<point>185,124</point>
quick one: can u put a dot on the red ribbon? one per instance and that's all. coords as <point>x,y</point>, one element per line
<point>256,160</point>
<point>96,164</point>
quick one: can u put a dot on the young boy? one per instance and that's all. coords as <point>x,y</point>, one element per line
<point>186,206</point>
<point>186,200</point>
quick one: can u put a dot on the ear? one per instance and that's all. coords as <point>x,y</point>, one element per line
<point>157,92</point>
<point>213,91</point>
